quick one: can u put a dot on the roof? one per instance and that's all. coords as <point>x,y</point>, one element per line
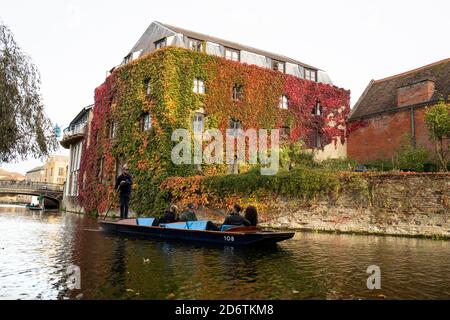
<point>36,169</point>
<point>233,45</point>
<point>380,96</point>
<point>81,114</point>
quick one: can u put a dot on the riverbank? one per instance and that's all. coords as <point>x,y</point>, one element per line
<point>398,204</point>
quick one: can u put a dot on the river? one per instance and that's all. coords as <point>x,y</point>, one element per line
<point>37,249</point>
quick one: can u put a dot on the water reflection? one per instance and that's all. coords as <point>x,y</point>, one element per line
<point>36,249</point>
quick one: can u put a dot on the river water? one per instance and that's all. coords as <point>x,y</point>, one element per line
<point>37,250</point>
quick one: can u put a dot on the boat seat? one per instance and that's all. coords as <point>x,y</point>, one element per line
<point>175,225</point>
<point>226,227</point>
<point>197,225</point>
<point>146,222</point>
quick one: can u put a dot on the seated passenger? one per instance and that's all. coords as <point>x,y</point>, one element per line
<point>251,214</point>
<point>170,216</point>
<point>212,227</point>
<point>235,219</point>
<point>188,215</point>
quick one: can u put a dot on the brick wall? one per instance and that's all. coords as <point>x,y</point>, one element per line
<point>383,134</point>
<point>415,93</point>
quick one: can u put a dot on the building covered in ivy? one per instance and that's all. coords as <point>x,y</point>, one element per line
<point>175,78</point>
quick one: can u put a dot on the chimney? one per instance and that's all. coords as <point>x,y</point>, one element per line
<point>415,93</point>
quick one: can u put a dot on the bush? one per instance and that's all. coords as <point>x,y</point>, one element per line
<point>379,165</point>
<point>410,158</point>
<point>294,155</point>
<point>341,164</point>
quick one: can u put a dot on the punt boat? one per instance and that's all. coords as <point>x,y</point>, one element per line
<point>195,231</point>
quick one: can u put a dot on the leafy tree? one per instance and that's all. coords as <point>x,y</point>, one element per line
<point>24,128</point>
<point>437,119</point>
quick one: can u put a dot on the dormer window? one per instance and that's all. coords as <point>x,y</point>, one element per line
<point>278,66</point>
<point>127,59</point>
<point>199,86</point>
<point>238,91</point>
<point>161,44</point>
<point>310,75</point>
<point>195,45</point>
<point>283,102</point>
<point>232,54</point>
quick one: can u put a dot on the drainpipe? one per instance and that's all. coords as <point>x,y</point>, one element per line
<point>413,128</point>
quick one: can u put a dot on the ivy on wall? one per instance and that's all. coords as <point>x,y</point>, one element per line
<point>161,84</point>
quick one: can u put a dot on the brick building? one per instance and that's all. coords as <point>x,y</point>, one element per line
<point>393,107</point>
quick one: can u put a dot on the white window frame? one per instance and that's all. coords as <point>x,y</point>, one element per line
<point>232,54</point>
<point>235,125</point>
<point>237,94</point>
<point>112,130</point>
<point>317,109</point>
<point>162,43</point>
<point>195,45</point>
<point>199,86</point>
<point>198,123</point>
<point>148,87</point>
<point>146,122</point>
<point>283,103</point>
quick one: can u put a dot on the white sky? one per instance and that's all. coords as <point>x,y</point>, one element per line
<point>74,43</point>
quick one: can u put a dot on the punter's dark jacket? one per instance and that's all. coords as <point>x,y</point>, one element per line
<point>125,188</point>
<point>235,219</point>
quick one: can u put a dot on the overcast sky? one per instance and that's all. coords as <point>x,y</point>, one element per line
<point>73,43</point>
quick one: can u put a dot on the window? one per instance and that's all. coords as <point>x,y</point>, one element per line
<point>285,133</point>
<point>148,87</point>
<point>231,54</point>
<point>317,110</point>
<point>127,59</point>
<point>146,122</point>
<point>283,102</point>
<point>310,74</point>
<point>199,86</point>
<point>61,171</point>
<point>237,92</point>
<point>278,66</point>
<point>198,123</point>
<point>195,45</point>
<point>318,141</point>
<point>112,130</point>
<point>100,169</point>
<point>160,44</point>
<point>235,125</point>
<point>119,165</point>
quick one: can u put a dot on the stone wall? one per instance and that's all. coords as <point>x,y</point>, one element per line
<point>391,204</point>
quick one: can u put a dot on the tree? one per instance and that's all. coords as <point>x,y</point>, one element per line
<point>437,119</point>
<point>25,130</point>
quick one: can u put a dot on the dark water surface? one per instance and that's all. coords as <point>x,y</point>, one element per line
<point>36,249</point>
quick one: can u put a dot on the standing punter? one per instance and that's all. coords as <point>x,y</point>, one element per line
<point>123,186</point>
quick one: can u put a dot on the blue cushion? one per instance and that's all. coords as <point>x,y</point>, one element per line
<point>175,225</point>
<point>226,227</point>
<point>146,222</point>
<point>196,225</point>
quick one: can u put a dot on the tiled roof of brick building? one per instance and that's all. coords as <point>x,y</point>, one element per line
<point>380,96</point>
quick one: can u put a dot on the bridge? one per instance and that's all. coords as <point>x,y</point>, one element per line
<point>49,191</point>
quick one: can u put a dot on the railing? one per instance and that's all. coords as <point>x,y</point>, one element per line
<point>75,129</point>
<point>26,184</point>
